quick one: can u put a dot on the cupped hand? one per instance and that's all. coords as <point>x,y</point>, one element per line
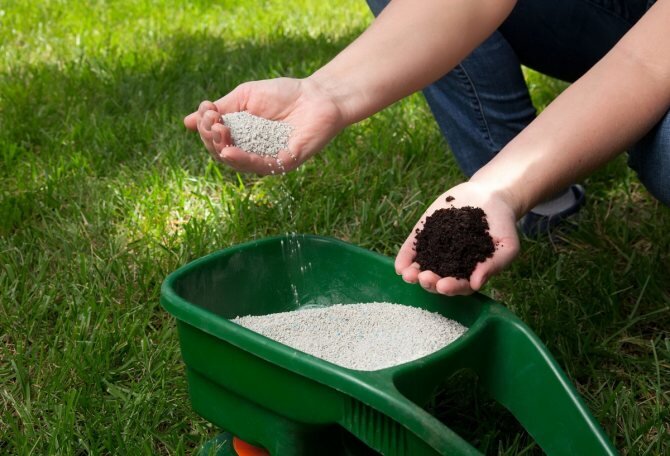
<point>311,111</point>
<point>502,228</point>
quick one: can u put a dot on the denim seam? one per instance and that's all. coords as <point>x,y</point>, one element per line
<point>470,86</point>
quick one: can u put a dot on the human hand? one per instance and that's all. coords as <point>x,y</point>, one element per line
<point>311,111</point>
<point>502,229</point>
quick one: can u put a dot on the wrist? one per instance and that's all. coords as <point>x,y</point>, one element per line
<point>342,93</point>
<point>502,191</point>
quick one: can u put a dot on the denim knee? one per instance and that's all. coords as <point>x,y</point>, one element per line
<point>376,6</point>
<point>650,158</point>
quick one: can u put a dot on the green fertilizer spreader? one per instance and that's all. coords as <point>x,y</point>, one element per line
<point>279,401</point>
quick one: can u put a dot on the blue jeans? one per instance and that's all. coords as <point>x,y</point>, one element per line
<point>483,102</point>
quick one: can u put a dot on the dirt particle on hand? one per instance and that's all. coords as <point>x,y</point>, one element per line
<point>450,198</point>
<point>452,242</point>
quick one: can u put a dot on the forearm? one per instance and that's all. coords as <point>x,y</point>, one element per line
<point>410,45</point>
<point>594,120</point>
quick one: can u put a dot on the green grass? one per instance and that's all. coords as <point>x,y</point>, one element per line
<point>104,193</point>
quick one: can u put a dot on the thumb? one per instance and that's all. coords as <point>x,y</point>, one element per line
<point>234,101</point>
<point>191,121</point>
<point>506,251</point>
<point>406,254</point>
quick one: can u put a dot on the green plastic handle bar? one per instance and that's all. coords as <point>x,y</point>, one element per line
<point>520,374</point>
<point>517,370</point>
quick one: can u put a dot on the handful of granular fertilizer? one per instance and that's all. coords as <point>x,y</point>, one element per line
<point>257,135</point>
<point>367,336</point>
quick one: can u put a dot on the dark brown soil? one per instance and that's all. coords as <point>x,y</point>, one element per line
<point>453,241</point>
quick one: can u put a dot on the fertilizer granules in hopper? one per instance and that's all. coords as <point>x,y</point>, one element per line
<point>366,336</point>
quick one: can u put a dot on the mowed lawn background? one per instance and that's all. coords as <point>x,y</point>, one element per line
<point>103,193</point>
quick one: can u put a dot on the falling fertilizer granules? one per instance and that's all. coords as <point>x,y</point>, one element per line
<point>367,336</point>
<point>257,135</point>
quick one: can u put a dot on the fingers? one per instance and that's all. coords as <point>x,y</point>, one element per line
<point>218,141</point>
<point>506,251</point>
<point>483,271</point>
<point>428,280</point>
<point>205,130</point>
<point>249,162</point>
<point>232,101</point>
<point>192,120</point>
<point>221,137</point>
<point>451,286</point>
<point>406,254</point>
<point>202,120</point>
<point>433,283</point>
<point>411,273</point>
<point>481,275</point>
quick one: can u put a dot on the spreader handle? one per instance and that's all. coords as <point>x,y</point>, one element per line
<point>394,425</point>
<point>518,371</point>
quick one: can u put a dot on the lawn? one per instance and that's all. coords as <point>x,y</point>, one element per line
<point>104,193</point>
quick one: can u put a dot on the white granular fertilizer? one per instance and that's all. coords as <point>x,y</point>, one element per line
<point>365,337</point>
<point>257,135</point>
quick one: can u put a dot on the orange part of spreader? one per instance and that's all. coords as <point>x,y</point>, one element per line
<point>243,448</point>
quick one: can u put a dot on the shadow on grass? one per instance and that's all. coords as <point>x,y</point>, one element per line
<point>90,118</point>
<point>118,106</point>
